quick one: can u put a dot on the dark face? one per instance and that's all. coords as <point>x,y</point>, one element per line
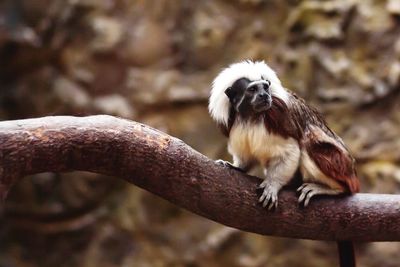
<point>250,97</point>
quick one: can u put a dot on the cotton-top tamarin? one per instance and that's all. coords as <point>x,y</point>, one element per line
<point>268,125</point>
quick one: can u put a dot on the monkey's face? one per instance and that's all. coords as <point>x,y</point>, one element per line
<point>250,97</point>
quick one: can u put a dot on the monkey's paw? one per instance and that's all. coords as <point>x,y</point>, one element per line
<point>269,195</point>
<point>227,164</point>
<point>308,190</point>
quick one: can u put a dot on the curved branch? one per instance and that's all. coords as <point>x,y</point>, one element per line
<point>172,170</point>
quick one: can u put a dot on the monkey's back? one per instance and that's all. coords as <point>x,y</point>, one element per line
<point>324,158</point>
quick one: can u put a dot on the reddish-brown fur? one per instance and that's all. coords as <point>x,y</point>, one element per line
<point>335,162</point>
<point>278,120</point>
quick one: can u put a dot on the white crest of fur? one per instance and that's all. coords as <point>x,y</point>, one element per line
<point>219,103</point>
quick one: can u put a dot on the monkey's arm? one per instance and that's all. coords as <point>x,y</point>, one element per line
<point>279,172</point>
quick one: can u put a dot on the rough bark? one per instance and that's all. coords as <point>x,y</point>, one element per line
<point>174,171</point>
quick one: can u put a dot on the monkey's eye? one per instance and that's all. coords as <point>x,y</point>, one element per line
<point>251,89</point>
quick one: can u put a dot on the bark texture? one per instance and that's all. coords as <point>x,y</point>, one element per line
<point>174,171</point>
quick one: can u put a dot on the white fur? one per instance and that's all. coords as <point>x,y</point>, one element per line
<point>252,142</point>
<point>219,102</point>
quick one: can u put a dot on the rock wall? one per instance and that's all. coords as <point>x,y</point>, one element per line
<point>153,61</point>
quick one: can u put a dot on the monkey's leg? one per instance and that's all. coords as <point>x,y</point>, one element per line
<point>308,190</point>
<point>279,173</point>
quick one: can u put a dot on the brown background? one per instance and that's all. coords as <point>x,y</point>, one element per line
<point>153,61</point>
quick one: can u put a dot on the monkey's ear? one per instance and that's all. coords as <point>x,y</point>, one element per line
<point>229,92</point>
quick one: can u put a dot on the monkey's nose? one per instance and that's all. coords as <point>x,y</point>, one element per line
<point>264,96</point>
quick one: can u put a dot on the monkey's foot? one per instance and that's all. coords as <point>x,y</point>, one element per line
<point>308,190</point>
<point>269,196</point>
<point>228,165</point>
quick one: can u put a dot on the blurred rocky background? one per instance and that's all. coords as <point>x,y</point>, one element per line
<point>153,61</point>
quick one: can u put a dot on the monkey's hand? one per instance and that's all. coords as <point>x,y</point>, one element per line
<point>229,165</point>
<point>269,196</point>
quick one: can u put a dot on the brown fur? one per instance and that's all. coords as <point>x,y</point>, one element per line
<point>298,120</point>
<point>278,120</point>
<point>333,161</point>
<point>324,147</point>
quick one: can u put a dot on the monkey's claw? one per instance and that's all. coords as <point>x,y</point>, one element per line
<point>308,190</point>
<point>269,196</point>
<point>227,164</point>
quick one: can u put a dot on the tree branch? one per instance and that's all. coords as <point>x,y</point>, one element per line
<point>172,170</point>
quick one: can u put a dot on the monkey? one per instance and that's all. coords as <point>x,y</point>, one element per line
<point>268,125</point>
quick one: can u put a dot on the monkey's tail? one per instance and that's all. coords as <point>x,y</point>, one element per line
<point>346,254</point>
